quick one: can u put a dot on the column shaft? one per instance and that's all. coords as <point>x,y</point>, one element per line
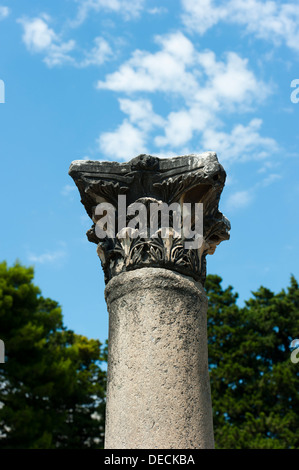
<point>158,391</point>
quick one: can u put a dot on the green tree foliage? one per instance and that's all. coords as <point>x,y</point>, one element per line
<point>255,386</point>
<point>52,389</point>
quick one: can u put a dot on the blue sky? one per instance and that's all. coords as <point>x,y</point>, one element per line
<point>110,79</point>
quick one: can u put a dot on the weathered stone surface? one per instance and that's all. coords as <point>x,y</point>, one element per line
<point>158,394</point>
<point>146,179</point>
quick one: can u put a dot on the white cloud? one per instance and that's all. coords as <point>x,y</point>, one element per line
<point>181,124</point>
<point>201,15</point>
<point>141,113</point>
<point>157,10</point>
<point>239,200</point>
<point>230,81</point>
<point>129,139</point>
<point>127,8</point>
<point>269,20</point>
<point>124,143</point>
<point>4,12</point>
<point>164,70</point>
<point>37,34</point>
<point>228,85</point>
<point>198,77</point>
<point>48,257</point>
<point>58,54</point>
<point>205,89</point>
<point>242,143</point>
<point>38,37</point>
<point>98,54</point>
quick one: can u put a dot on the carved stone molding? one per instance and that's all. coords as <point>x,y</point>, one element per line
<point>185,179</point>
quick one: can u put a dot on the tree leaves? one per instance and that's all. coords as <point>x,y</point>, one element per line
<point>255,386</point>
<point>52,388</point>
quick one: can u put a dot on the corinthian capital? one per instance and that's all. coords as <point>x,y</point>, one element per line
<point>148,180</point>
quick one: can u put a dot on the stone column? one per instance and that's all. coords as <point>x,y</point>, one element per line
<point>158,390</point>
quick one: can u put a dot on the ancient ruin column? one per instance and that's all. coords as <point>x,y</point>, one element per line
<point>158,389</point>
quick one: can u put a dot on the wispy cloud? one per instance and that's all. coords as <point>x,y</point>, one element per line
<point>49,257</point>
<point>4,12</point>
<point>157,10</point>
<point>241,142</point>
<point>98,54</point>
<point>39,37</point>
<point>275,22</point>
<point>243,198</point>
<point>268,166</point>
<point>271,179</point>
<point>68,190</point>
<point>239,200</point>
<point>127,8</point>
